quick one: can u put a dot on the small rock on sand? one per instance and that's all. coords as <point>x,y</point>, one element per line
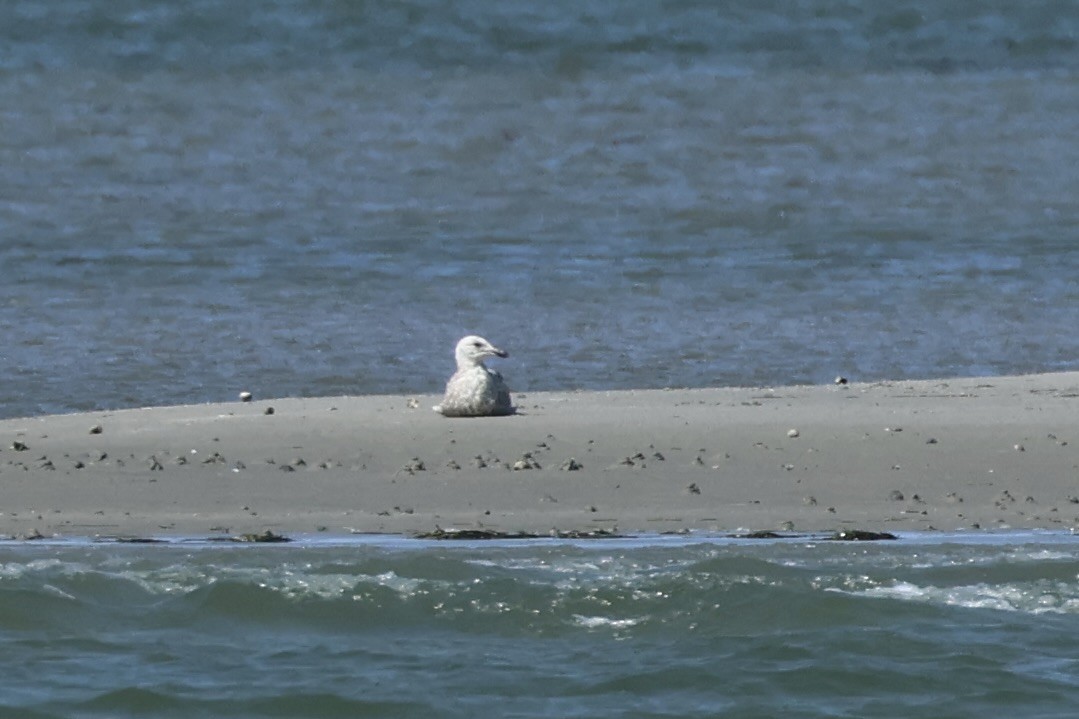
<point>416,465</point>
<point>527,461</point>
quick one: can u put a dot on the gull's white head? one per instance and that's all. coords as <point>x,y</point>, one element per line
<point>472,350</point>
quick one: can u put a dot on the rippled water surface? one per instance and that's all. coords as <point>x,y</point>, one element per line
<point>321,197</point>
<point>691,627</point>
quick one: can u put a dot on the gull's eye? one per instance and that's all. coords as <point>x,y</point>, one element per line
<point>477,344</point>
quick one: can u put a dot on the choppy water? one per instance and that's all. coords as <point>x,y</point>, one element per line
<point>687,627</point>
<point>319,197</point>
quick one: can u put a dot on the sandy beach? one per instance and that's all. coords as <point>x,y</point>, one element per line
<point>971,453</point>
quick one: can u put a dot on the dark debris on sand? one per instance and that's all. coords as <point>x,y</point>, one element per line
<point>467,534</point>
<point>858,535</point>
<point>844,535</point>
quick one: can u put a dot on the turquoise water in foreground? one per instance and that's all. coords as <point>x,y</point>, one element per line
<point>926,626</point>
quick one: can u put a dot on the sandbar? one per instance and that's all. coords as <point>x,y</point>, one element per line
<point>972,454</point>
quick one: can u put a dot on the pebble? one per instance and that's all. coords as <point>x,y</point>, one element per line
<point>792,433</point>
<point>416,465</point>
<point>245,396</point>
<point>527,461</point>
<point>571,465</point>
<point>97,429</point>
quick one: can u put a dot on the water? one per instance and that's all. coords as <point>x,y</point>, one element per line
<point>320,197</point>
<point>662,626</point>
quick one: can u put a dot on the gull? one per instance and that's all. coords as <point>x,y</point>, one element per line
<point>474,390</point>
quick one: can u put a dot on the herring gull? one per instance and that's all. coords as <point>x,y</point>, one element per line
<point>474,390</point>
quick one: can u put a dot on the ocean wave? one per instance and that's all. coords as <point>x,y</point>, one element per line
<point>540,629</point>
<point>1032,598</point>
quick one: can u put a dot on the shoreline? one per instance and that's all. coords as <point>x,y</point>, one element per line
<point>989,537</point>
<point>963,454</point>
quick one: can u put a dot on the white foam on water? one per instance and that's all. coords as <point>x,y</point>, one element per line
<point>605,622</point>
<point>1036,598</point>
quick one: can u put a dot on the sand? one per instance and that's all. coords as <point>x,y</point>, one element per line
<point>958,454</point>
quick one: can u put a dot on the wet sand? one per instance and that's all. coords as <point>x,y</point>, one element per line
<point>970,453</point>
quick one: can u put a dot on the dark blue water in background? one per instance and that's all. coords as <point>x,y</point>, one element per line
<point>319,198</point>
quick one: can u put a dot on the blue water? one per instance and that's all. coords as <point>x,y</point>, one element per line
<point>319,198</point>
<point>945,626</point>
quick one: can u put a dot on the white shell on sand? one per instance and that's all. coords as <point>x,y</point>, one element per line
<point>474,390</point>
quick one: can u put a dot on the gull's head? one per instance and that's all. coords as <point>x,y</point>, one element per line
<point>472,350</point>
